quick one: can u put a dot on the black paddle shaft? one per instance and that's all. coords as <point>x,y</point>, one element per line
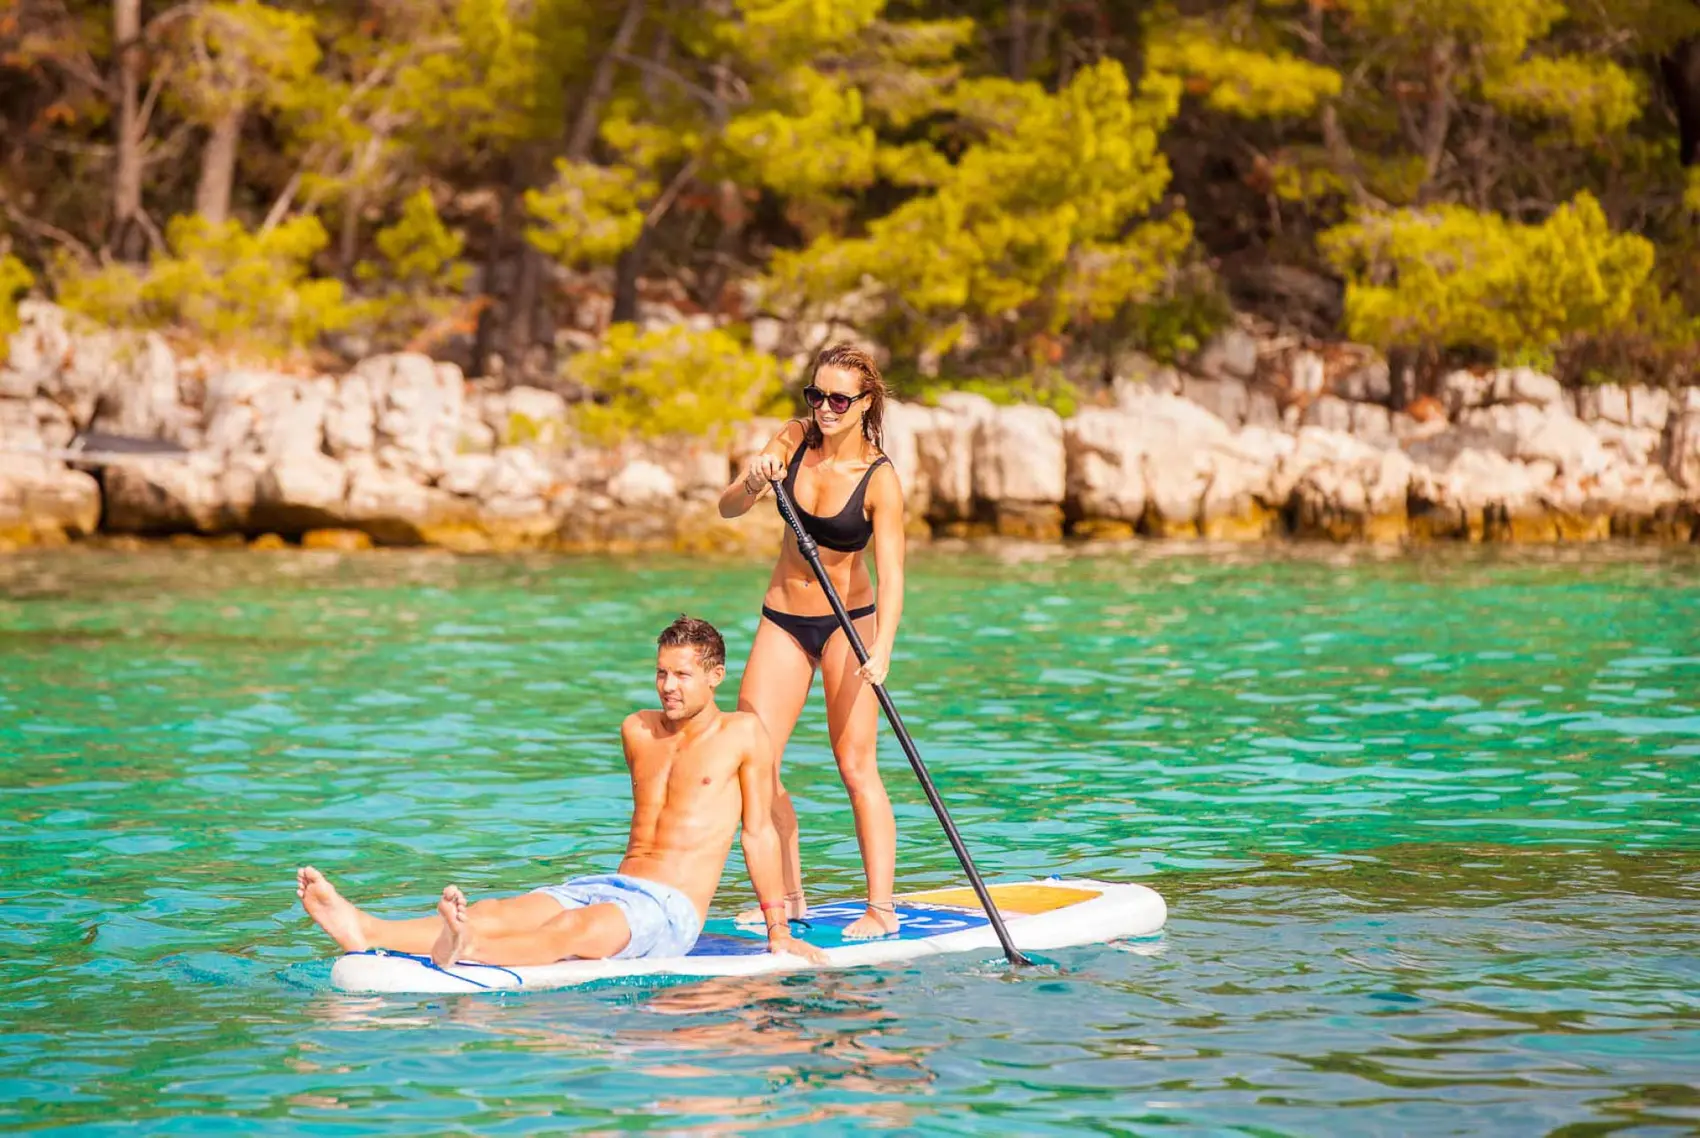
<point>811,553</point>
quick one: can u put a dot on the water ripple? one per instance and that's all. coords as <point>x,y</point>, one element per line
<point>1425,825</point>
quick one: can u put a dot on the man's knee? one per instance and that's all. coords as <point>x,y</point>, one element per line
<point>593,933</point>
<point>492,915</point>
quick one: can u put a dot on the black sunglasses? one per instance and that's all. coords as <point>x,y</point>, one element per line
<point>814,397</point>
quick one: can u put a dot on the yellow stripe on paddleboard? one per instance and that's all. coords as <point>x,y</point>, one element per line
<point>1009,898</point>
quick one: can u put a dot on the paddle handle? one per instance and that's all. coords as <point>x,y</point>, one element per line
<point>811,553</point>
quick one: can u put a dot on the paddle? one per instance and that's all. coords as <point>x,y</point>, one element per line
<point>812,554</point>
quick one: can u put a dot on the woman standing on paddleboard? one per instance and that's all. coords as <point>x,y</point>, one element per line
<point>847,496</point>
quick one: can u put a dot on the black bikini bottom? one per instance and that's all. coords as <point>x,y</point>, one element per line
<point>812,632</point>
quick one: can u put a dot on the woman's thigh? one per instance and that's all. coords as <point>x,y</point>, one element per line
<point>776,683</point>
<point>852,709</point>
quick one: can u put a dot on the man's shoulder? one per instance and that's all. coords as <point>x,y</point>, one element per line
<point>640,723</point>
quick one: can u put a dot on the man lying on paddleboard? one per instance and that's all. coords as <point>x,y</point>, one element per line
<point>696,772</point>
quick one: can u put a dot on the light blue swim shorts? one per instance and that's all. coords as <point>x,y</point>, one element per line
<point>663,920</point>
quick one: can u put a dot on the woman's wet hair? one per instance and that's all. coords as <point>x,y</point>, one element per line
<point>689,632</point>
<point>851,358</point>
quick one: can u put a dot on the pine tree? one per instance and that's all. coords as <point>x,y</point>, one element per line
<point>1041,224</point>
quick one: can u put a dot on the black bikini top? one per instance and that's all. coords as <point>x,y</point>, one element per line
<point>847,531</point>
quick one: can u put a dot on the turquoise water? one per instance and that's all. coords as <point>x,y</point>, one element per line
<point>1426,825</point>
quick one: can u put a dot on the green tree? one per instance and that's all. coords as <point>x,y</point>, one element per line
<point>986,170</point>
<point>417,277</point>
<point>1451,277</point>
<point>787,103</point>
<point>232,57</point>
<point>345,128</point>
<point>1041,224</point>
<point>1370,113</point>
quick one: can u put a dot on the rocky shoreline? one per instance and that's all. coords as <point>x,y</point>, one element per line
<point>402,450</point>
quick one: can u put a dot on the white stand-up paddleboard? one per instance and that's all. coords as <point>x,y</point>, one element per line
<point>1040,915</point>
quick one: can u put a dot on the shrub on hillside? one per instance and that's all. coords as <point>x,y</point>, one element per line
<point>220,283</point>
<point>1452,278</point>
<point>417,277</point>
<point>671,381</point>
<point>1047,388</point>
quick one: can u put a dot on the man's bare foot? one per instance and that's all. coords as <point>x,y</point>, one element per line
<point>330,910</point>
<point>455,941</point>
<point>796,908</point>
<point>879,920</point>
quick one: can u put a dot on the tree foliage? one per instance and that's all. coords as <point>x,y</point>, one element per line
<point>1455,277</point>
<point>221,282</point>
<point>671,381</point>
<point>1592,99</point>
<point>229,56</point>
<point>588,214</point>
<point>1040,222</point>
<point>416,278</point>
<point>984,186</point>
<point>1247,82</point>
<point>1485,122</point>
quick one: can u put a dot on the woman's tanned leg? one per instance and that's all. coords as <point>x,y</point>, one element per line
<point>852,719</point>
<point>775,688</point>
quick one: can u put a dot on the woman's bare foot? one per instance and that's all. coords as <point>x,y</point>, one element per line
<point>455,941</point>
<point>879,920</point>
<point>330,910</point>
<point>796,908</point>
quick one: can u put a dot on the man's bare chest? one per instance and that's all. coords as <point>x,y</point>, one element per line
<point>680,779</point>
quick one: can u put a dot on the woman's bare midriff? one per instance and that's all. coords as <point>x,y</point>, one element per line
<point>793,588</point>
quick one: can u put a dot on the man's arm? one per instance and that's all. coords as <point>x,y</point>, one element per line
<point>630,728</point>
<point>761,844</point>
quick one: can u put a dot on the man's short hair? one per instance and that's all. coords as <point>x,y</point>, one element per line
<point>689,632</point>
